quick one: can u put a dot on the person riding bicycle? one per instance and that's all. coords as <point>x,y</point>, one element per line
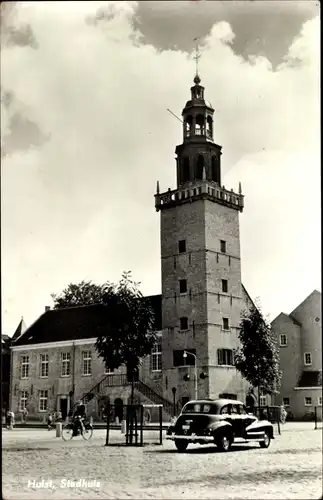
<point>79,417</point>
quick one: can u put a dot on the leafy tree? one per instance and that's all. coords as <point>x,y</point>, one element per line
<point>84,293</point>
<point>257,357</point>
<point>128,334</point>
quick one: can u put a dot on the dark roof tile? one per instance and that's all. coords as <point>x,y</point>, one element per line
<point>76,323</point>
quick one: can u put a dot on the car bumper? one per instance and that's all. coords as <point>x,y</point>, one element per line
<point>192,437</point>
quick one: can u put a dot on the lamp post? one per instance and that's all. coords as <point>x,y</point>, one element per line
<point>185,354</point>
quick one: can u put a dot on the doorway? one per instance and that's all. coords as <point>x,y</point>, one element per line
<point>63,407</point>
<point>118,409</point>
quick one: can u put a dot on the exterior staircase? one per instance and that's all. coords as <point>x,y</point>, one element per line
<point>121,380</point>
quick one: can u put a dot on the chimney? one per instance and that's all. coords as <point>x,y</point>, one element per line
<point>47,308</point>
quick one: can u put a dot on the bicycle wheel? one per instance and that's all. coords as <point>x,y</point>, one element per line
<point>87,432</point>
<point>67,432</point>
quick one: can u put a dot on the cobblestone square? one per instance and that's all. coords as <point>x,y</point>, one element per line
<point>290,469</point>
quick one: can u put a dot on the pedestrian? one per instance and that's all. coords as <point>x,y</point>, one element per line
<point>148,416</point>
<point>25,415</point>
<point>49,421</point>
<point>10,420</point>
<point>251,401</point>
<point>283,414</point>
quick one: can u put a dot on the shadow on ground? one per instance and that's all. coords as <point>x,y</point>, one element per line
<point>205,449</point>
<point>252,478</point>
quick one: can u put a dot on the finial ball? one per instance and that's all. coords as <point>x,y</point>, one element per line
<point>197,80</point>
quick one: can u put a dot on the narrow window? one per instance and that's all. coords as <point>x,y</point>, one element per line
<point>286,401</point>
<point>44,365</point>
<point>319,400</point>
<point>184,323</point>
<point>23,400</point>
<point>65,364</point>
<point>156,358</point>
<point>87,363</point>
<point>308,401</point>
<point>225,323</point>
<point>182,246</point>
<point>199,167</point>
<point>225,286</point>
<point>223,246</point>
<point>186,169</point>
<point>263,400</point>
<point>307,359</point>
<point>182,286</point>
<point>24,367</point>
<point>43,400</point>
<point>283,340</point>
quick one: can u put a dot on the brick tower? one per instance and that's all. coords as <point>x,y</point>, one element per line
<point>200,264</point>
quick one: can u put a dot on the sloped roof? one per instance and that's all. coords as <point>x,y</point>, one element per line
<point>315,292</point>
<point>310,379</point>
<point>20,330</point>
<point>76,323</point>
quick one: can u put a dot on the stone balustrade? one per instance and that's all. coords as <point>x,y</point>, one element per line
<point>204,189</point>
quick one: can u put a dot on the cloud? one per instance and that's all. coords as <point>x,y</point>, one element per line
<point>80,204</point>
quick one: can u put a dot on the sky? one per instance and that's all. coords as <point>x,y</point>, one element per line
<point>85,134</point>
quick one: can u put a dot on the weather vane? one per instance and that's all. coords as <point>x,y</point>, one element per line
<point>197,54</point>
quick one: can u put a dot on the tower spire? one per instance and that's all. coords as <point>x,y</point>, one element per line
<point>197,56</point>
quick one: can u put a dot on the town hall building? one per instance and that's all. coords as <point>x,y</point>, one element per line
<point>54,363</point>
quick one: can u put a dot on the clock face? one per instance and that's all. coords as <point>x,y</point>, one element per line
<point>317,320</point>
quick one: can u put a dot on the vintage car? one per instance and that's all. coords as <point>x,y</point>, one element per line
<point>220,421</point>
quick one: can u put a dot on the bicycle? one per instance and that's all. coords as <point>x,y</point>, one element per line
<point>68,431</point>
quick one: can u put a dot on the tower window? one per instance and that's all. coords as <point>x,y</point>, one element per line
<point>184,323</point>
<point>200,125</point>
<point>225,357</point>
<point>223,246</point>
<point>182,246</point>
<point>199,167</point>
<point>179,360</point>
<point>209,125</point>
<point>182,286</point>
<point>307,359</point>
<point>215,166</point>
<point>225,286</point>
<point>186,169</point>
<point>225,323</point>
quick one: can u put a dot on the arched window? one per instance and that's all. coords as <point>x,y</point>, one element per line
<point>200,125</point>
<point>188,125</point>
<point>199,167</point>
<point>186,169</point>
<point>209,127</point>
<point>215,169</point>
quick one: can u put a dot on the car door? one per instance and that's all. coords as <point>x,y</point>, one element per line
<point>246,419</point>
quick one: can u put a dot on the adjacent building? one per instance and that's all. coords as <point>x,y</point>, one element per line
<point>299,335</point>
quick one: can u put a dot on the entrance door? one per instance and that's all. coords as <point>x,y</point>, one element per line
<point>63,407</point>
<point>118,409</point>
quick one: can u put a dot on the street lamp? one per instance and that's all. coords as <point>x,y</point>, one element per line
<point>195,369</point>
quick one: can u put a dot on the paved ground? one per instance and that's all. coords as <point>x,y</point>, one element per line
<point>290,469</point>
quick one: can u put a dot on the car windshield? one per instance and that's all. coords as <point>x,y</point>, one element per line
<point>200,408</point>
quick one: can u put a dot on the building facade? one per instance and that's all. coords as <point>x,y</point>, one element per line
<point>299,335</point>
<point>198,314</point>
<point>55,364</point>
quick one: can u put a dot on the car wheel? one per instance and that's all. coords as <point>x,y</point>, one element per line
<point>224,442</point>
<point>266,442</point>
<point>181,444</point>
